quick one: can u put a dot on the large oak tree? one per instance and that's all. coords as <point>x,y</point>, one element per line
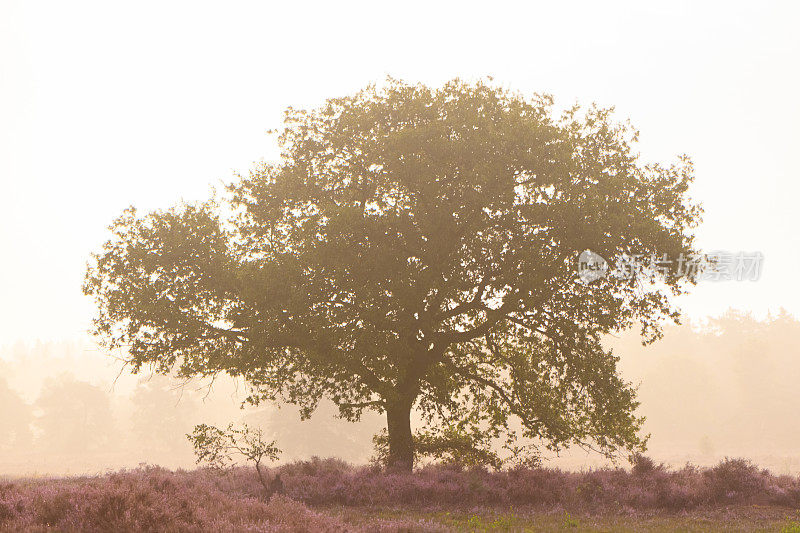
<point>414,250</point>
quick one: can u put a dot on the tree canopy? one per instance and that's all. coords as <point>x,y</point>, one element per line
<point>415,248</point>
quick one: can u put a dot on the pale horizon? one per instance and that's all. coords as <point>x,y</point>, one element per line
<point>105,107</point>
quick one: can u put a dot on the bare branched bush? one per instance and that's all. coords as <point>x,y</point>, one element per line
<point>220,448</point>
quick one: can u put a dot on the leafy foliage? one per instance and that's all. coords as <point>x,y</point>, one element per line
<point>451,445</point>
<point>414,248</point>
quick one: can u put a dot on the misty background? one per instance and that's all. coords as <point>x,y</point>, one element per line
<point>103,106</point>
<point>726,387</point>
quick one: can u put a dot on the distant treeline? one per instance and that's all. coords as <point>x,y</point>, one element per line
<point>729,386</point>
<point>64,409</point>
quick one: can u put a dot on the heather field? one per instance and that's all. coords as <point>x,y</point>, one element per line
<point>329,495</point>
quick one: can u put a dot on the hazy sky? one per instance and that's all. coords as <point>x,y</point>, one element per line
<point>105,105</point>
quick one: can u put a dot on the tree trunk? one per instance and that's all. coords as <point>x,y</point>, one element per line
<point>401,443</point>
<point>261,476</point>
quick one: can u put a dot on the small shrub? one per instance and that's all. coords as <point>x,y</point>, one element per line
<point>643,465</point>
<point>570,522</point>
<point>735,480</point>
<point>219,448</point>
